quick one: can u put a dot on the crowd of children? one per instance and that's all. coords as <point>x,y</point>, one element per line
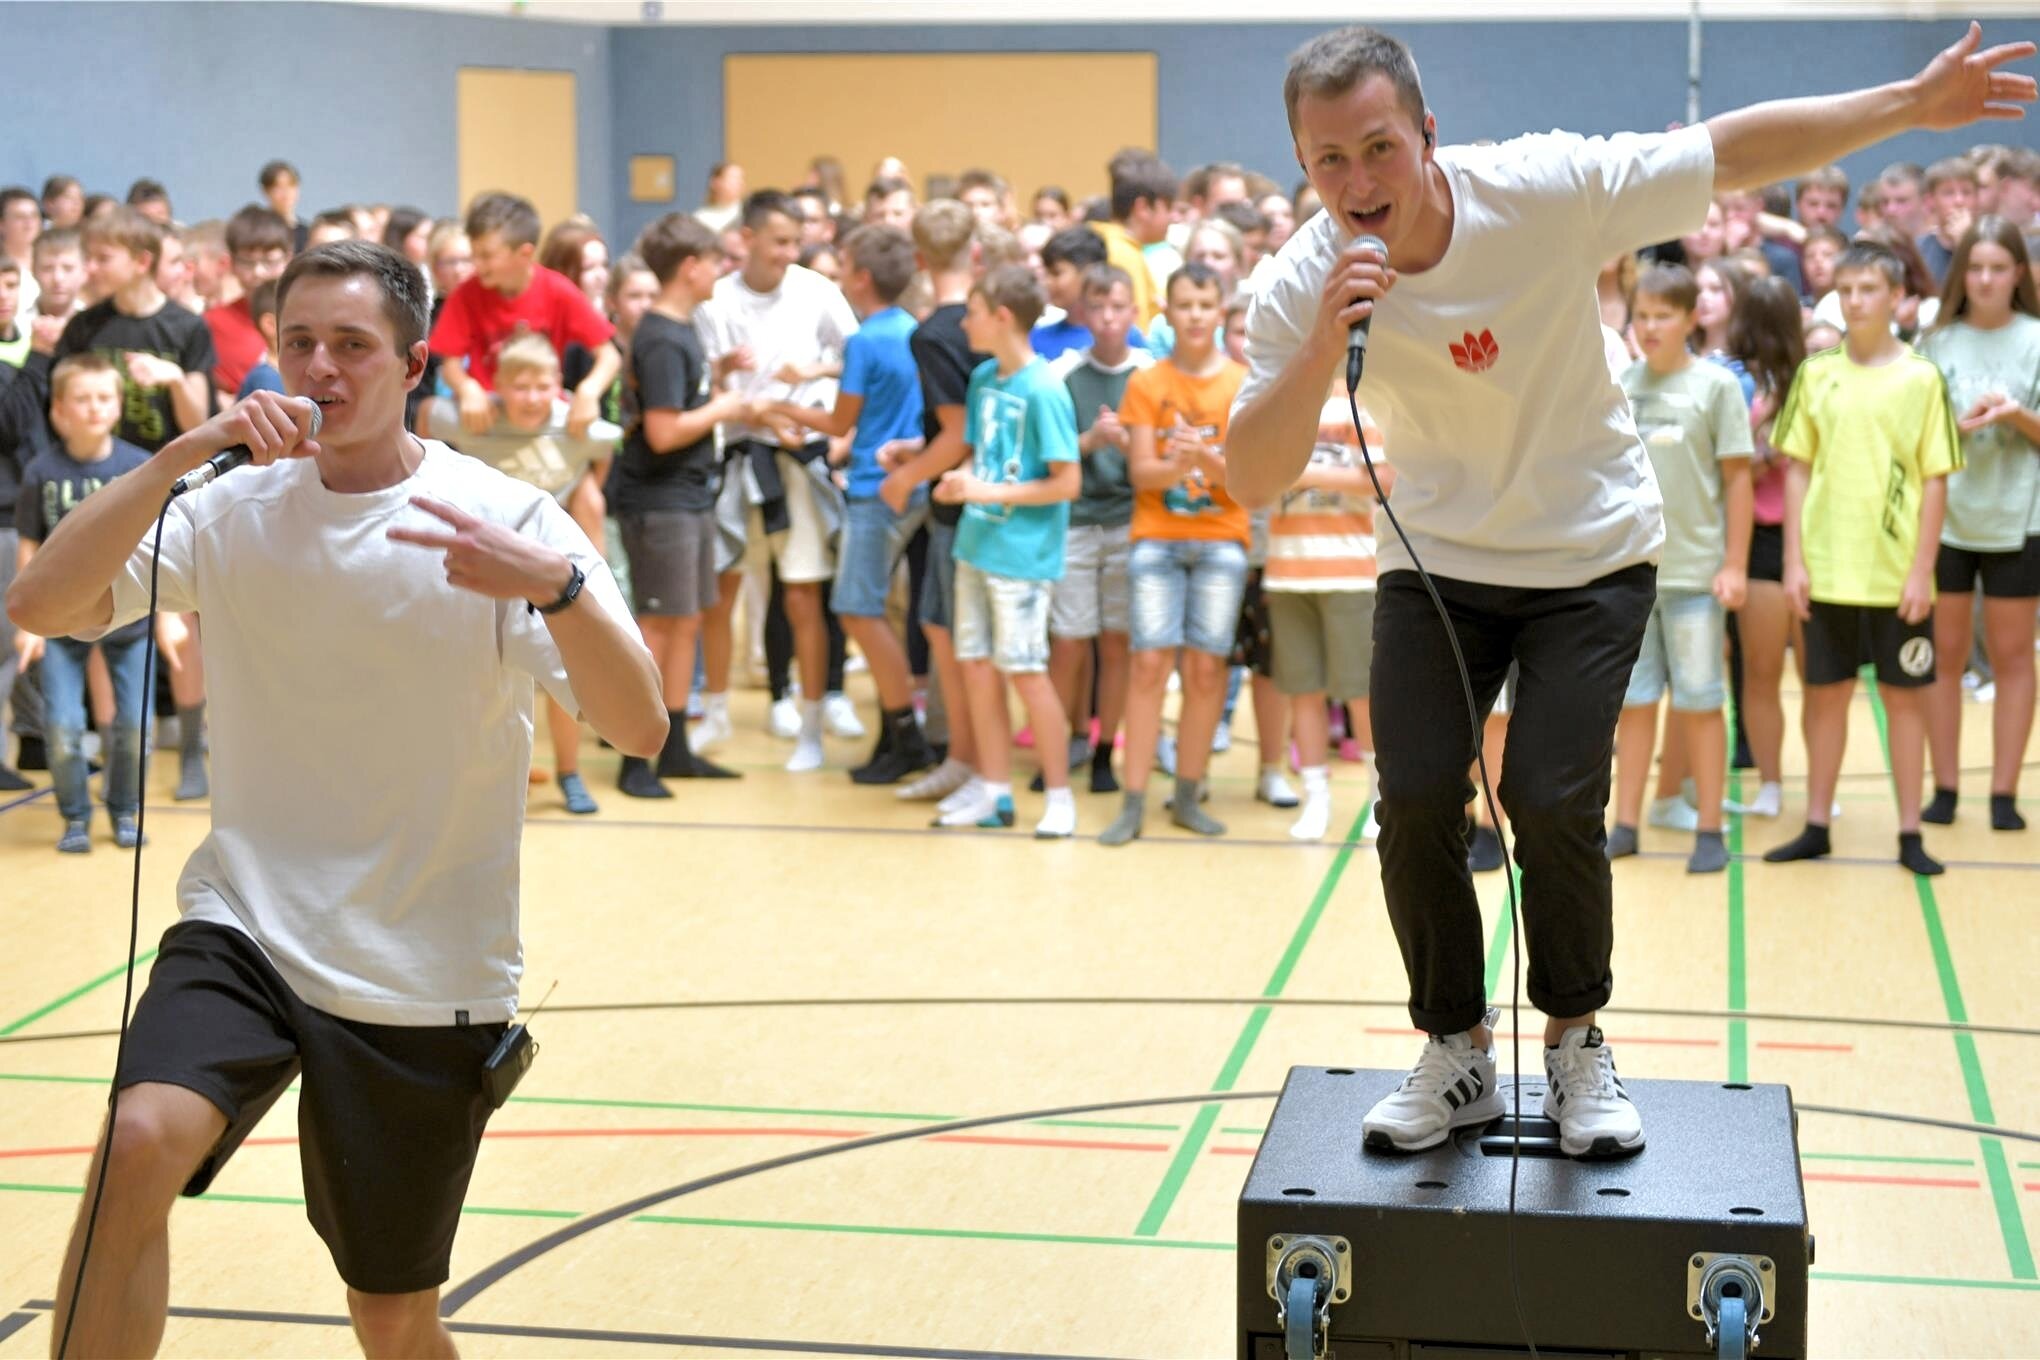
<point>988,447</point>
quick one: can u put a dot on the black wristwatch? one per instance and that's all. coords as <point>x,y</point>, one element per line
<point>568,595</point>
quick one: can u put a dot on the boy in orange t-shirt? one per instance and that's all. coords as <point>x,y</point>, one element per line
<point>1188,569</point>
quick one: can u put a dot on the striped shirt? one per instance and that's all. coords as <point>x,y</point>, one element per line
<point>1322,540</point>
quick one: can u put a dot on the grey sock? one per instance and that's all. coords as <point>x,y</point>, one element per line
<point>1621,842</point>
<point>191,729</point>
<point>1710,855</point>
<point>1186,811</point>
<point>1126,826</point>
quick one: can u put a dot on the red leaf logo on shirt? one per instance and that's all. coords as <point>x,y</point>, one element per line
<point>1476,353</point>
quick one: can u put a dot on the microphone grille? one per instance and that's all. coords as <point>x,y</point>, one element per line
<point>318,417</point>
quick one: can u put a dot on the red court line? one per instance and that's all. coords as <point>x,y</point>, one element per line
<point>1234,1152</point>
<point>1612,1038</point>
<point>1937,1182</point>
<point>713,1131</point>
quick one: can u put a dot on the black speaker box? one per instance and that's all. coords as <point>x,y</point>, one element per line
<point>1627,1258</point>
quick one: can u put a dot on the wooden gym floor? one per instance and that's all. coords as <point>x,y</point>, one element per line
<point>788,965</point>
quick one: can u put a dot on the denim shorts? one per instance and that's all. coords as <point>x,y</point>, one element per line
<point>1091,597</point>
<point>938,587</point>
<point>1001,619</point>
<point>1681,649</point>
<point>874,539</point>
<point>1186,593</point>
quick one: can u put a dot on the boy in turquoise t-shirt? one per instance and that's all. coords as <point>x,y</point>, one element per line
<point>1021,430</point>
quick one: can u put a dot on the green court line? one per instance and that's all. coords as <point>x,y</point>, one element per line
<point>965,1234</point>
<point>1505,925</point>
<point>1738,960</point>
<point>1838,1277</point>
<point>68,997</point>
<point>2003,1192</point>
<point>1201,1125</point>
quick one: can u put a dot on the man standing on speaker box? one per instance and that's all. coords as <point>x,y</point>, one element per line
<point>353,913</point>
<point>1525,491</point>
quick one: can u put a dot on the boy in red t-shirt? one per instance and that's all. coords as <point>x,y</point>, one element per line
<point>511,292</point>
<point>258,247</point>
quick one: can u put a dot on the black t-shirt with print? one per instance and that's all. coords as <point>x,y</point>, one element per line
<point>943,354</point>
<point>172,332</point>
<point>667,371</point>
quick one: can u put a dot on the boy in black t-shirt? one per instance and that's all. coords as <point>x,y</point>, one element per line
<point>85,405</point>
<point>666,479</point>
<point>162,352</point>
<point>943,233</point>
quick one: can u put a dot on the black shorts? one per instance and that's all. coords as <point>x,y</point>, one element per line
<point>672,562</point>
<point>389,1116</point>
<point>1253,645</point>
<point>2006,575</point>
<point>1843,638</point>
<point>1767,552</point>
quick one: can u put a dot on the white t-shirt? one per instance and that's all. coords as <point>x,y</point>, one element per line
<point>804,321</point>
<point>371,731</point>
<point>1516,458</point>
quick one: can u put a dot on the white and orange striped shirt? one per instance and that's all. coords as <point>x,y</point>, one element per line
<point>1322,540</point>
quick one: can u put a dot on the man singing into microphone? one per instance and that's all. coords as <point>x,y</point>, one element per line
<point>377,609</point>
<point>1525,492</point>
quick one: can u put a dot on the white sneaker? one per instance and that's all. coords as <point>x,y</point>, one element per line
<point>712,731</point>
<point>945,779</point>
<point>841,717</point>
<point>1059,819</point>
<point>1674,814</point>
<point>1770,798</point>
<point>1274,790</point>
<point>1165,754</point>
<point>1221,737</point>
<point>807,755</point>
<point>783,719</point>
<point>981,807</point>
<point>1835,810</point>
<point>1315,820</point>
<point>1371,832</point>
<point>1595,1116</point>
<point>1984,693</point>
<point>966,794</point>
<point>1452,1086</point>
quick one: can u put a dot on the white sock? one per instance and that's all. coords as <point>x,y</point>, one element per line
<point>716,705</point>
<point>1058,797</point>
<point>810,718</point>
<point>1317,779</point>
<point>998,791</point>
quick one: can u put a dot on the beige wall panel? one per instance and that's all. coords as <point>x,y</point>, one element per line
<point>518,132</point>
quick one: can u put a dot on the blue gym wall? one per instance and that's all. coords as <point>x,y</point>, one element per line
<point>362,98</point>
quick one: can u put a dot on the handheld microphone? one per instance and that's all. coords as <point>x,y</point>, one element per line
<point>1356,338</point>
<point>226,460</point>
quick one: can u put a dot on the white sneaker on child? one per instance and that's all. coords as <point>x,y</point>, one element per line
<point>841,716</point>
<point>1274,790</point>
<point>713,730</point>
<point>807,751</point>
<point>1451,1087</point>
<point>966,794</point>
<point>1769,800</point>
<point>1595,1116</point>
<point>783,719</point>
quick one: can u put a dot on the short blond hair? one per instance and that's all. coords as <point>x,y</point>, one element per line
<point>942,232</point>
<point>525,354</point>
<point>83,364</point>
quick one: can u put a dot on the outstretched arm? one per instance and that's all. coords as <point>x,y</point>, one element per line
<point>1774,141</point>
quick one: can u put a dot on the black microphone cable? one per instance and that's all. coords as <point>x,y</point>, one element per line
<point>1355,356</point>
<point>134,927</point>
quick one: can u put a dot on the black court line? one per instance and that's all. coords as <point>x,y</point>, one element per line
<point>1334,1003</point>
<point>465,1293</point>
<point>26,798</point>
<point>1960,1126</point>
<point>721,1343</point>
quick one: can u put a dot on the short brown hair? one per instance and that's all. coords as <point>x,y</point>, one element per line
<point>1673,283</point>
<point>886,254</point>
<point>262,302</point>
<point>1103,278</point>
<point>1333,63</point>
<point>1014,287</point>
<point>56,241</point>
<point>942,232</point>
<point>1950,168</point>
<point>128,229</point>
<point>405,301</point>
<point>672,241</point>
<point>505,215</point>
<point>256,227</point>
<point>1827,177</point>
<point>83,364</point>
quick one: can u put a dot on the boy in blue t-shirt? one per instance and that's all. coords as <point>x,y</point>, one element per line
<point>85,408</point>
<point>880,397</point>
<point>1024,470</point>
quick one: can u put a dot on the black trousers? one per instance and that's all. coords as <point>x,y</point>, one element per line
<point>779,652</point>
<point>1575,648</point>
